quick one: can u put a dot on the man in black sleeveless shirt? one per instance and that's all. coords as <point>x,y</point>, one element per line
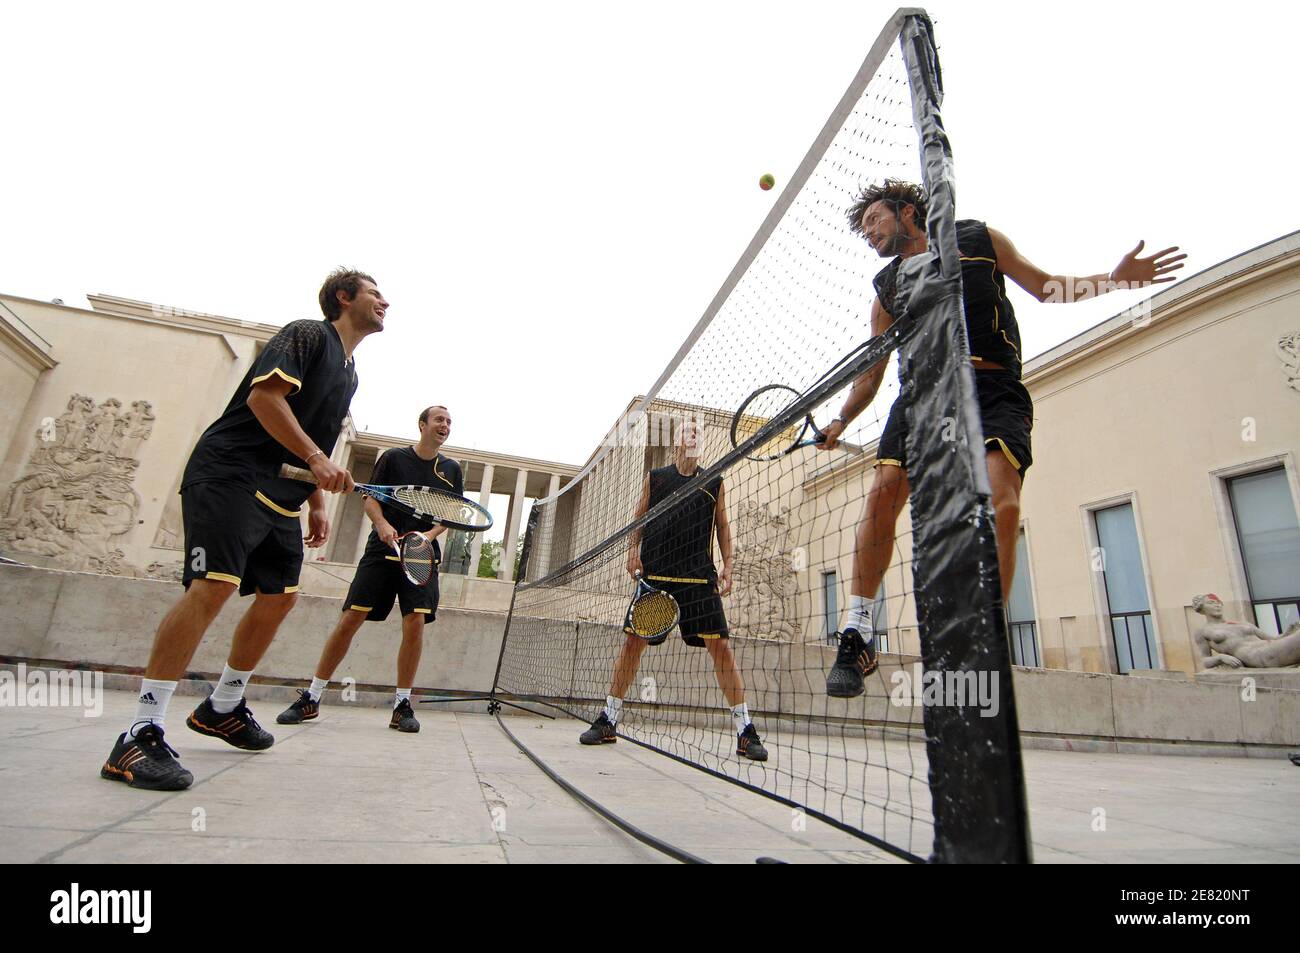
<point>675,554</point>
<point>242,527</point>
<point>891,217</point>
<point>379,579</point>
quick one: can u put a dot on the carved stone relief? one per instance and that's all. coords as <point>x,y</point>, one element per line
<point>764,580</point>
<point>76,503</point>
<point>1288,352</point>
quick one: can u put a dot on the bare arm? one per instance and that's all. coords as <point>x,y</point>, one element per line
<point>865,387</point>
<point>268,404</point>
<point>723,530</point>
<point>383,529</point>
<point>1209,659</point>
<point>318,525</point>
<point>634,538</point>
<point>1131,272</point>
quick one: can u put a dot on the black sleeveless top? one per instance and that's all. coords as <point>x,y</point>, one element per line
<point>990,320</point>
<point>679,544</point>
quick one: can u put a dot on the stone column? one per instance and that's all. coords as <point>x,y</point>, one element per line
<point>334,503</point>
<point>548,537</point>
<point>476,540</point>
<point>506,569</point>
<point>363,532</point>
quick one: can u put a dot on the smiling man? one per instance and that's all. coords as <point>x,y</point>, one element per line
<point>379,578</point>
<point>242,527</point>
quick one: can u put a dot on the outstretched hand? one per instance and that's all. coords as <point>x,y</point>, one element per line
<point>1155,269</point>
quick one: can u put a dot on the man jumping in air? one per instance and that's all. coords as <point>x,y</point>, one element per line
<point>891,217</point>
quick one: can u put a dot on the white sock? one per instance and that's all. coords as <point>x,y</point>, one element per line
<point>402,694</point>
<point>317,688</point>
<point>859,616</point>
<point>740,717</point>
<point>152,704</point>
<point>613,709</point>
<point>230,690</point>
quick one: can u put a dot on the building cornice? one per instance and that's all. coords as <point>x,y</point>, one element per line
<point>28,344</point>
<point>385,442</point>
<point>179,317</point>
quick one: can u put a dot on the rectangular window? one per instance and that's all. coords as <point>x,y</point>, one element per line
<point>1124,583</point>
<point>830,607</point>
<point>1268,535</point>
<point>880,621</point>
<point>1021,627</point>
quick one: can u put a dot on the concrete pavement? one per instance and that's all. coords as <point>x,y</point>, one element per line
<point>347,789</point>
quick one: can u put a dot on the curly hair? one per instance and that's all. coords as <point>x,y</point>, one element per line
<point>897,194</point>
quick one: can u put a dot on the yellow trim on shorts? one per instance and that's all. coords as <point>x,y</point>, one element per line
<point>261,498</point>
<point>1006,451</point>
<point>889,462</point>
<point>276,372</point>
<point>222,577</point>
<point>674,579</point>
<point>395,559</point>
<point>710,635</point>
<point>289,589</point>
<point>422,611</point>
<point>363,608</point>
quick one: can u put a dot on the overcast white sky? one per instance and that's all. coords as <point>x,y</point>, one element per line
<point>550,193</point>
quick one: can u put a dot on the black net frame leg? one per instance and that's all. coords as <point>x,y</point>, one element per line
<point>495,703</point>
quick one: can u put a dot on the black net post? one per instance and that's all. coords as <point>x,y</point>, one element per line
<point>976,776</point>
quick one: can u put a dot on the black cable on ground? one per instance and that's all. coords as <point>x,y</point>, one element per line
<point>648,839</point>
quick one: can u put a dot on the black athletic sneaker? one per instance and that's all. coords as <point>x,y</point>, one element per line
<point>601,732</point>
<point>146,761</point>
<point>748,744</point>
<point>855,659</point>
<point>304,709</point>
<point>236,727</point>
<point>403,717</point>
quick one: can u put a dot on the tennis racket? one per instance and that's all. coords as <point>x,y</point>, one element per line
<point>652,612</point>
<point>423,502</point>
<point>761,407</point>
<point>415,553</point>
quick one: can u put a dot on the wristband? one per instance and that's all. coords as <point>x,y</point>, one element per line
<point>310,455</point>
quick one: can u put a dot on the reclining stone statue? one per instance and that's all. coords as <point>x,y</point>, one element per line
<point>1239,644</point>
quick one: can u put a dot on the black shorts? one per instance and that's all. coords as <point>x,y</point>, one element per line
<point>234,535</point>
<point>1006,411</point>
<point>701,607</point>
<point>379,580</point>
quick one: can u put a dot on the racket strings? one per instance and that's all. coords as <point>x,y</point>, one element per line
<point>439,507</point>
<point>757,413</point>
<point>417,559</point>
<point>653,613</point>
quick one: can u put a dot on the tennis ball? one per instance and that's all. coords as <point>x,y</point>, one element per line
<point>767,181</point>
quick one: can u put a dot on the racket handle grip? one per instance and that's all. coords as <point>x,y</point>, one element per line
<point>297,473</point>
